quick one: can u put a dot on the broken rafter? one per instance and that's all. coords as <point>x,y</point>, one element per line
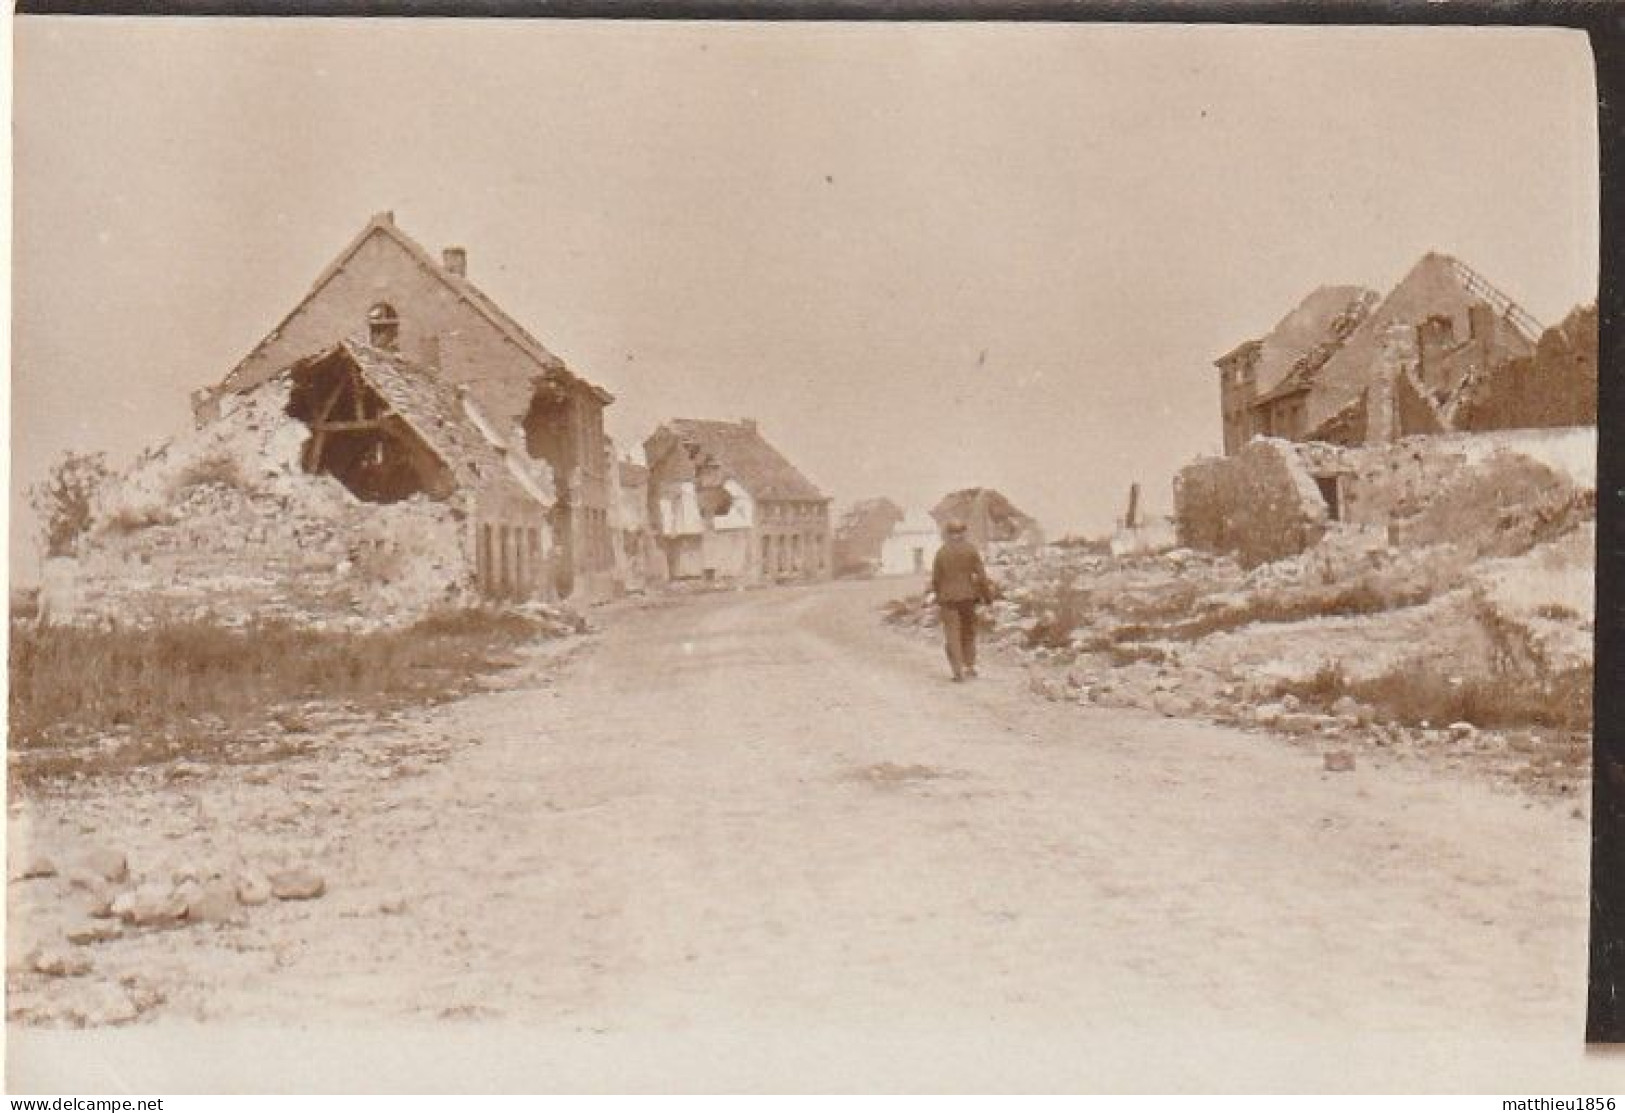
<point>362,425</point>
<point>313,451</point>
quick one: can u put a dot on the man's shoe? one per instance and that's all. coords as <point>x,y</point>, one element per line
<point>970,672</point>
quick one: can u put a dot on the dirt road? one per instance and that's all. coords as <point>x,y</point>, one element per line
<point>758,840</point>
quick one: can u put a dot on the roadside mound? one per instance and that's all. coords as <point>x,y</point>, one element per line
<point>1467,631</point>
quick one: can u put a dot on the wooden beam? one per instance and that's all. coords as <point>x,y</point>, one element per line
<point>351,426</point>
<point>313,451</point>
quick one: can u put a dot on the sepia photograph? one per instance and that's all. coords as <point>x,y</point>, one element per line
<point>675,556</point>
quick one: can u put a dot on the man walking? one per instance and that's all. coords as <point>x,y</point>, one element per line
<point>958,583</point>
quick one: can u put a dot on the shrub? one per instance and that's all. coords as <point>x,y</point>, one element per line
<point>1324,688</point>
<point>219,469</point>
<point>1417,692</point>
<point>65,501</point>
<point>129,519</point>
<point>1420,693</point>
<point>1058,617</point>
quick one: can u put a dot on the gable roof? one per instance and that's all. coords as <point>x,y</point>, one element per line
<point>989,515</point>
<point>547,364</point>
<point>1320,322</point>
<point>744,456</point>
<point>1437,285</point>
<point>442,415</point>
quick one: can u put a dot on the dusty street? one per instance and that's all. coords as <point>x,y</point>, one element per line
<point>758,840</point>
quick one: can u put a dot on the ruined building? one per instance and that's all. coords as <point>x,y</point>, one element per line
<point>387,293</point>
<point>640,556</point>
<point>352,486</point>
<point>989,518</point>
<point>911,545</point>
<point>1347,367</point>
<point>1554,387</point>
<point>861,534</point>
<point>1353,412</point>
<point>727,505</point>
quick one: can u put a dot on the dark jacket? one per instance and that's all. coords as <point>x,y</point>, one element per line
<point>957,575</point>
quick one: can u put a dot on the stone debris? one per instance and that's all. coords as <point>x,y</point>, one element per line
<point>94,932</point>
<point>109,865</point>
<point>101,1004</point>
<point>151,904</point>
<point>100,905</point>
<point>1339,761</point>
<point>253,889</point>
<point>58,962</point>
<point>297,884</point>
<point>1339,640</point>
<point>37,868</point>
<point>214,902</point>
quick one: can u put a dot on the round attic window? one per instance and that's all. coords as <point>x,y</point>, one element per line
<point>383,325</point>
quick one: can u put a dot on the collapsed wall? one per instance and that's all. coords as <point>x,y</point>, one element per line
<point>1495,492</point>
<point>224,524</point>
<point>1260,504</point>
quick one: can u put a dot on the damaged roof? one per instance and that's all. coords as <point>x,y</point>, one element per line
<point>1319,321</point>
<point>744,456</point>
<point>442,415</point>
<point>549,366</point>
<point>1437,285</point>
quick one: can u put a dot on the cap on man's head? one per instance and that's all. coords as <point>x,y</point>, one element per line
<point>954,528</point>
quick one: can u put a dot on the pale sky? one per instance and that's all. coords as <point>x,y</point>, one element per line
<point>922,256</point>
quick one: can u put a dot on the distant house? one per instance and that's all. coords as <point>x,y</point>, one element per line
<point>911,546</point>
<point>643,562</point>
<point>989,517</point>
<point>727,505</point>
<point>1348,367</point>
<point>386,291</point>
<point>861,533</point>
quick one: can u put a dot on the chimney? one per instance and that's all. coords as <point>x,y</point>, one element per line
<point>455,260</point>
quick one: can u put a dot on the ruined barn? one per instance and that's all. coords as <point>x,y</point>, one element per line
<point>388,291</point>
<point>1350,368</point>
<point>353,486</point>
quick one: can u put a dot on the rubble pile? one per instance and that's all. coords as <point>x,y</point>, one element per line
<point>1487,596</point>
<point>63,916</point>
<point>224,524</point>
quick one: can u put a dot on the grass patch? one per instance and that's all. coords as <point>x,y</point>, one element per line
<point>131,519</point>
<point>1421,694</point>
<point>218,470</point>
<point>1058,617</point>
<point>1343,601</point>
<point>179,688</point>
<point>1417,692</point>
<point>1324,688</point>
